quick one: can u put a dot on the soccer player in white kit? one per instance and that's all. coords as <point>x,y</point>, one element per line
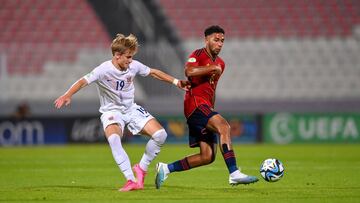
<point>115,82</point>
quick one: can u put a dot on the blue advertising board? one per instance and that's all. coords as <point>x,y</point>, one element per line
<point>32,132</point>
<point>39,131</point>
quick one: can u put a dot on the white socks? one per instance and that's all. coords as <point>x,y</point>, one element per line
<point>152,148</point>
<point>120,156</point>
<point>151,151</point>
<point>166,169</point>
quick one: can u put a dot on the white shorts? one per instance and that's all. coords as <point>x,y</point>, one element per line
<point>135,120</point>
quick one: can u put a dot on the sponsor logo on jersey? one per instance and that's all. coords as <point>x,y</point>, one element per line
<point>192,60</point>
<point>107,78</point>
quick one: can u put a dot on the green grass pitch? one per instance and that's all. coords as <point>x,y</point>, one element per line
<point>87,173</point>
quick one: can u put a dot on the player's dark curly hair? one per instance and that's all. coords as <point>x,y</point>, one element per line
<point>213,29</point>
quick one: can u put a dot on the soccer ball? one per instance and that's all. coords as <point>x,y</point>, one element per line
<point>272,170</point>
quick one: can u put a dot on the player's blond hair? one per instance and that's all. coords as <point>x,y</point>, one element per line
<point>121,44</point>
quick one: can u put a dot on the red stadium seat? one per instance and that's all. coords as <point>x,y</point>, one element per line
<point>43,23</point>
<point>270,18</point>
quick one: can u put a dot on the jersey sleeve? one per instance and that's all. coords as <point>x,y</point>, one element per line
<point>142,69</point>
<point>193,60</point>
<point>93,76</point>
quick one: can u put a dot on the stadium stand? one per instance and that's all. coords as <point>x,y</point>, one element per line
<point>279,49</point>
<point>264,18</point>
<point>46,45</point>
<point>35,31</point>
<point>284,51</point>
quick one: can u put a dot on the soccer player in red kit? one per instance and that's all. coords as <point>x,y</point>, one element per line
<point>203,69</point>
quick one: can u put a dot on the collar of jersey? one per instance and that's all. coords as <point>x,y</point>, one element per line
<point>121,72</point>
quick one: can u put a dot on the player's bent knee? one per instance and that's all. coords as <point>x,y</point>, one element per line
<point>207,158</point>
<point>159,136</point>
<point>212,158</point>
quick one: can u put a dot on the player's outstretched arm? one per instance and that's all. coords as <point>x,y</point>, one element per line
<point>66,97</point>
<point>158,74</point>
<point>202,70</point>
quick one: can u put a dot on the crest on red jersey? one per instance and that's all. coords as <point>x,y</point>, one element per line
<point>192,60</point>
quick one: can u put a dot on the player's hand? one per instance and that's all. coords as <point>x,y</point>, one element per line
<point>64,99</point>
<point>216,69</point>
<point>184,85</point>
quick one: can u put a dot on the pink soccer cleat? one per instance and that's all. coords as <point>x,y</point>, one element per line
<point>140,175</point>
<point>129,185</point>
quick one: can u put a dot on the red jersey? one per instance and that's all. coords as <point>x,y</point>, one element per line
<point>203,88</point>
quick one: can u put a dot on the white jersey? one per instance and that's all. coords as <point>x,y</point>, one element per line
<point>115,87</point>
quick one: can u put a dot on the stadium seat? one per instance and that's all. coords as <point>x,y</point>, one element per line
<point>279,49</point>
<point>35,22</point>
<point>37,34</point>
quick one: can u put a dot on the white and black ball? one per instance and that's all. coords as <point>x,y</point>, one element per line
<point>272,170</point>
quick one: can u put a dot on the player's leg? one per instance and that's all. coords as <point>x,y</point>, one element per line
<point>113,135</point>
<point>113,132</point>
<point>141,122</point>
<point>206,156</point>
<point>219,125</point>
<point>199,136</point>
<point>157,135</point>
